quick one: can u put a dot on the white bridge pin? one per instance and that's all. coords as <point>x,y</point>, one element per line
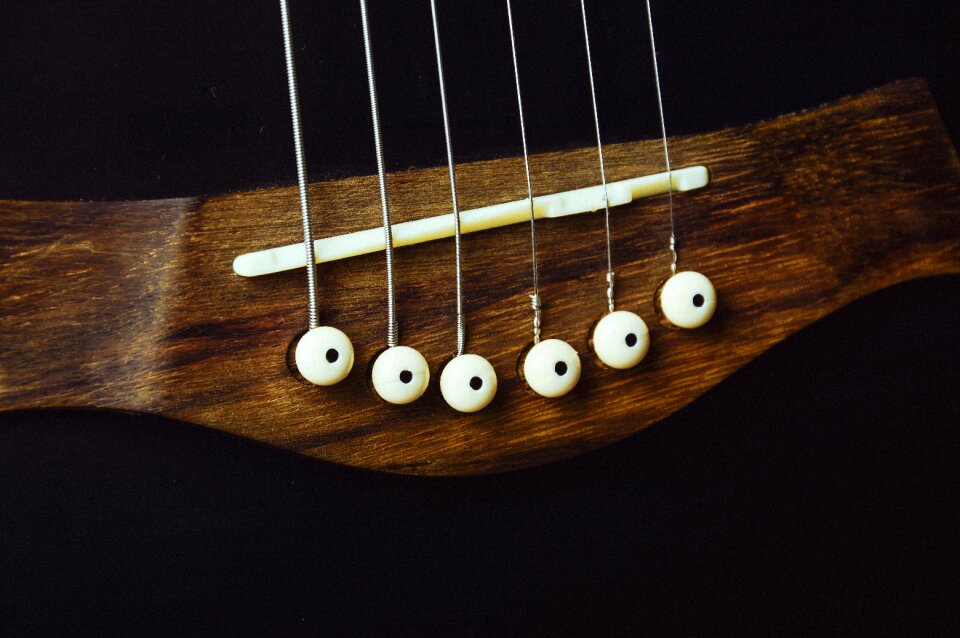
<point>324,355</point>
<point>621,339</point>
<point>688,299</point>
<point>468,383</point>
<point>552,368</point>
<point>400,375</point>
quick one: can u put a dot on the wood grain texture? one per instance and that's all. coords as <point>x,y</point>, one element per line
<point>134,306</point>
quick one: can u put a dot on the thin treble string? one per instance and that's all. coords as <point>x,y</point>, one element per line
<point>461,322</point>
<point>392,338</point>
<point>663,132</point>
<point>313,322</point>
<point>603,172</point>
<point>535,297</point>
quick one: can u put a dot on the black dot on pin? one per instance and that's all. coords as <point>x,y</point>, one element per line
<point>332,355</point>
<point>560,368</point>
<point>698,300</point>
<point>406,376</point>
<point>476,383</point>
<point>631,340</point>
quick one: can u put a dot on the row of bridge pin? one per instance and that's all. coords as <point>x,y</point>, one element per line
<point>551,368</point>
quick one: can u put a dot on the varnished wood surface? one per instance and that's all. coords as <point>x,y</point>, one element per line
<point>134,306</point>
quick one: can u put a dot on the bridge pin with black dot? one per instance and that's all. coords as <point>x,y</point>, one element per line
<point>400,375</point>
<point>468,383</point>
<point>621,339</point>
<point>324,355</point>
<point>688,299</point>
<point>552,368</point>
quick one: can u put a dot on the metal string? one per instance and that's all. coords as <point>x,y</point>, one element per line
<point>301,167</point>
<point>603,172</point>
<point>381,174</point>
<point>535,297</point>
<point>461,323</point>
<point>663,132</point>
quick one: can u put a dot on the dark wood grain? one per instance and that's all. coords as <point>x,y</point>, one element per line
<point>134,306</point>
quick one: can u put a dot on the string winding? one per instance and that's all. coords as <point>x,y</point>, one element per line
<point>611,305</point>
<point>313,320</point>
<point>535,296</point>
<point>392,330</point>
<point>461,322</point>
<point>663,133</point>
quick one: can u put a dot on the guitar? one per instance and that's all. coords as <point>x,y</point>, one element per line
<point>802,214</point>
<point>808,493</point>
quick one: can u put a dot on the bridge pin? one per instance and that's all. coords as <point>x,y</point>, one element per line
<point>324,355</point>
<point>400,375</point>
<point>688,299</point>
<point>552,368</point>
<point>621,339</point>
<point>468,383</point>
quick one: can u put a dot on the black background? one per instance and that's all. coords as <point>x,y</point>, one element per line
<point>813,493</point>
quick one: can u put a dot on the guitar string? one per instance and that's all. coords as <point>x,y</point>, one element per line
<point>313,321</point>
<point>666,147</point>
<point>535,297</point>
<point>388,238</point>
<point>603,172</point>
<point>392,337</point>
<point>461,322</point>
